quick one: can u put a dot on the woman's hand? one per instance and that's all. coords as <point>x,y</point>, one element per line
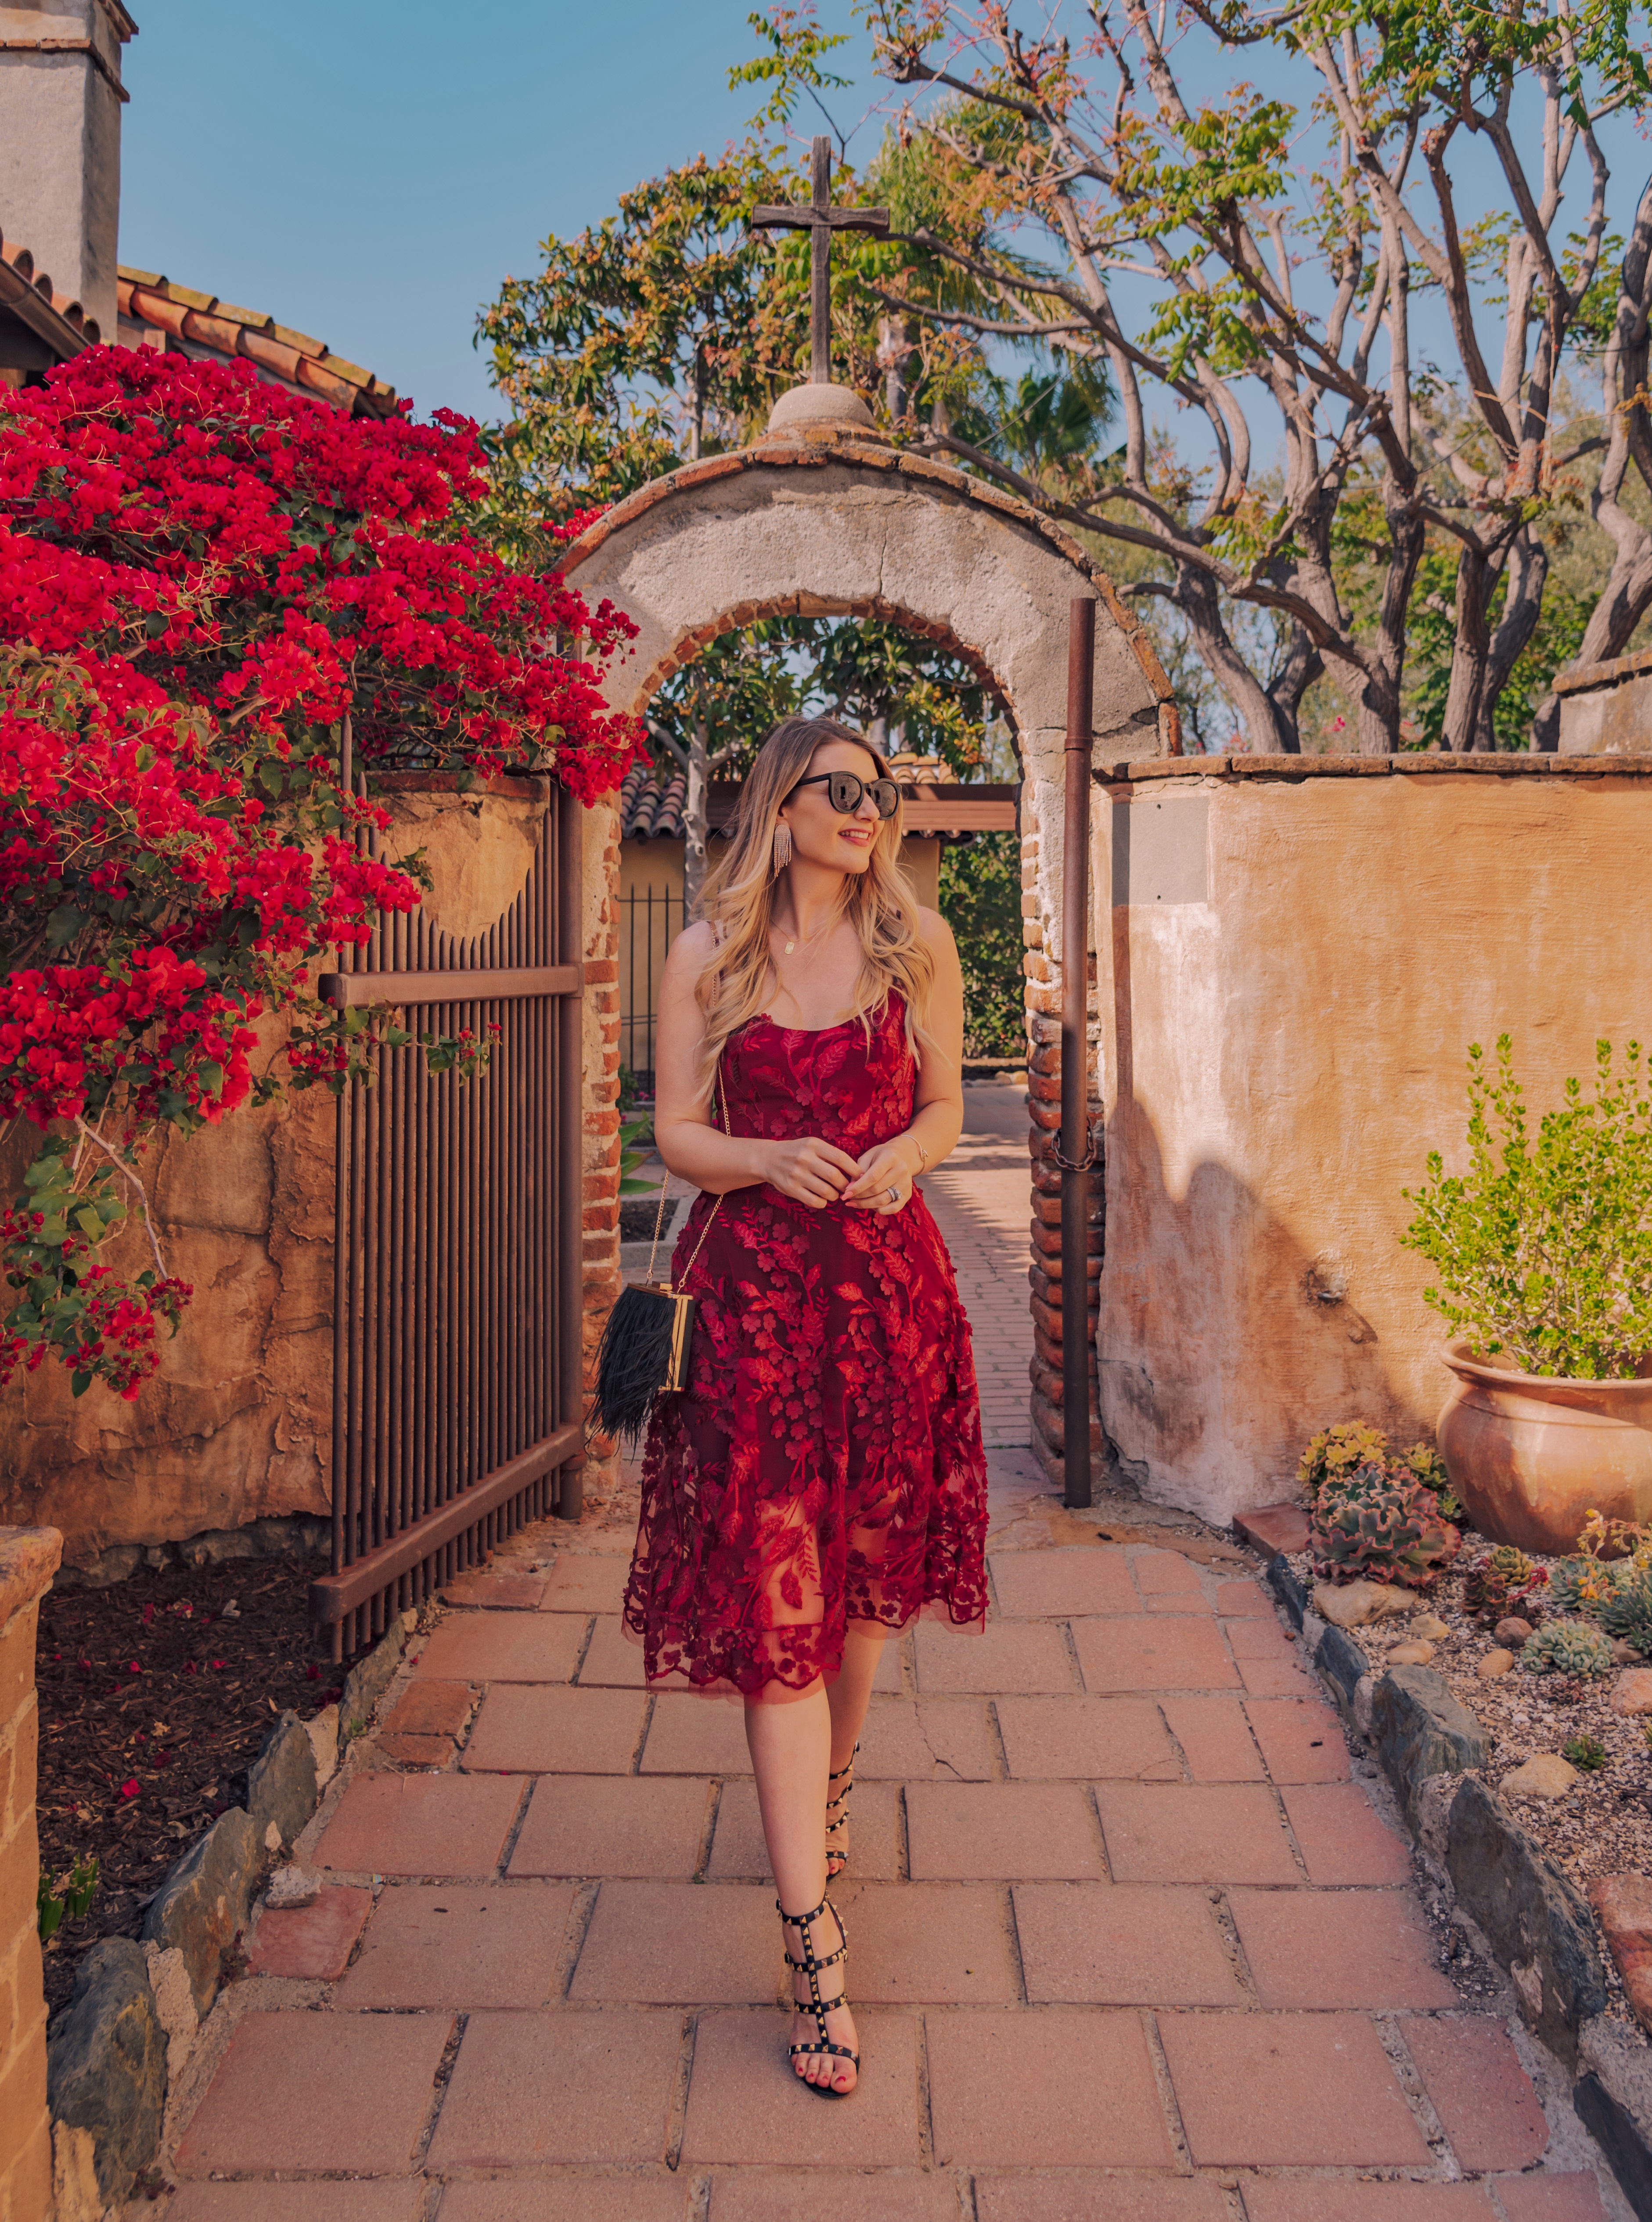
<point>879,1171</point>
<point>813,1171</point>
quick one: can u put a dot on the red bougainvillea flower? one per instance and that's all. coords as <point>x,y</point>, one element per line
<point>205,581</point>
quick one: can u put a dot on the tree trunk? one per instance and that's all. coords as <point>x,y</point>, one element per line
<point>695,813</point>
<point>1528,574</point>
<point>1471,649</point>
<point>1269,727</point>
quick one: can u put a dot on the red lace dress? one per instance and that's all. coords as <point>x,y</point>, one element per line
<point>825,1463</point>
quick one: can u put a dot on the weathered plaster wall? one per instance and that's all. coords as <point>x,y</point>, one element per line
<point>1292,969</point>
<point>237,1425</point>
<point>1612,718</point>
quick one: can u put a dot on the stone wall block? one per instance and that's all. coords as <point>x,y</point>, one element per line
<point>281,1788</point>
<point>1538,1924</point>
<point>106,2065</point>
<point>202,1906</point>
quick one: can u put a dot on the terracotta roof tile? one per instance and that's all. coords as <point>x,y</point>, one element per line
<point>202,320</point>
<point>30,293</point>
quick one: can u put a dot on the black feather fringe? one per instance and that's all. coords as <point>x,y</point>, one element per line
<point>633,1361</point>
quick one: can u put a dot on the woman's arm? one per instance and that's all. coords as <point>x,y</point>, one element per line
<point>811,1170</point>
<point>938,1101</point>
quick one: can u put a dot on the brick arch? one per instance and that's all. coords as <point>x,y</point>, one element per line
<point>817,523</point>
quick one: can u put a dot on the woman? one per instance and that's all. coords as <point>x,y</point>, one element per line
<point>822,1478</point>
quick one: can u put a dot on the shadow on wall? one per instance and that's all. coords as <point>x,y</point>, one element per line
<point>1225,1343</point>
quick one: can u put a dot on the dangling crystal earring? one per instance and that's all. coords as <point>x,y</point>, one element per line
<point>782,846</point>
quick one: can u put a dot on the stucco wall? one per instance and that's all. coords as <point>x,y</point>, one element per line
<point>1292,968</point>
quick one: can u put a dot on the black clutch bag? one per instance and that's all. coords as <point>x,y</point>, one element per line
<point>644,1352</point>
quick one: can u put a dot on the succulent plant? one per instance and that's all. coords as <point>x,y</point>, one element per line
<point>1586,1753</point>
<point>1336,1454</point>
<point>1628,1615</point>
<point>1371,1525</point>
<point>1578,1588</point>
<point>1504,1582</point>
<point>1567,1647</point>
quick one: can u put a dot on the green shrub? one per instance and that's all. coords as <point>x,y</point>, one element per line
<point>1544,1250</point>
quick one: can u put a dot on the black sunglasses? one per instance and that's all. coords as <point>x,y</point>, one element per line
<point>844,792</point>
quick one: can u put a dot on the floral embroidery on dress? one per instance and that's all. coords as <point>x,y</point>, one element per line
<point>825,1463</point>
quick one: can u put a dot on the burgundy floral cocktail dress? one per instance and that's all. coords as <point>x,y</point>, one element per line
<point>825,1463</point>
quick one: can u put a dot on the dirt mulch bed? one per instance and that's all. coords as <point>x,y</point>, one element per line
<point>1603,1824</point>
<point>155,1696</point>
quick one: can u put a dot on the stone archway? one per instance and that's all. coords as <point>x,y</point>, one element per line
<point>824,518</point>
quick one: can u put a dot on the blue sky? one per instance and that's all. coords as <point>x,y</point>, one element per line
<point>369,172</point>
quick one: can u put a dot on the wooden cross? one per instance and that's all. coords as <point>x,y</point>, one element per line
<point>820,220</point>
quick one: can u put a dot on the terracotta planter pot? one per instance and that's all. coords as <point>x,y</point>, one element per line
<point>1530,1455</point>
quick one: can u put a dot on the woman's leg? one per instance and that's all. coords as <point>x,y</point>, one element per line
<point>791,1746</point>
<point>850,1691</point>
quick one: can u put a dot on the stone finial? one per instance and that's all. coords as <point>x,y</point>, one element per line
<point>820,404</point>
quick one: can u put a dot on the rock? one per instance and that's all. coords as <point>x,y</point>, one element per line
<point>1428,1627</point>
<point>1513,1631</point>
<point>1493,1664</point>
<point>1357,1605</point>
<point>1413,1654</point>
<point>1341,1660</point>
<point>323,1734</point>
<point>1613,2100</point>
<point>1432,1812</point>
<point>1631,1693</point>
<point>281,1783</point>
<point>106,2066</point>
<point>1546,1775</point>
<point>1624,1654</point>
<point>1623,1905</point>
<point>365,1682</point>
<point>202,1906</point>
<point>1288,1590</point>
<point>1363,1690</point>
<point>169,1978</point>
<point>1419,1729</point>
<point>292,1887</point>
<point>1533,1919</point>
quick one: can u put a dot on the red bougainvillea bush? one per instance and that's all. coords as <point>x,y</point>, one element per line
<point>203,578</point>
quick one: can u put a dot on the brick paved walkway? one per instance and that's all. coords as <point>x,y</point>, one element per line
<point>1129,1940</point>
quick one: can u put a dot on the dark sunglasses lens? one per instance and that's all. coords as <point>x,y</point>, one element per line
<point>844,790</point>
<point>886,795</point>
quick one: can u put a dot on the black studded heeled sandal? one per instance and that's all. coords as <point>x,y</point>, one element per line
<point>813,1965</point>
<point>837,1819</point>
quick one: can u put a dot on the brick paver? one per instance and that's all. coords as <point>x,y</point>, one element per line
<point>1129,1939</point>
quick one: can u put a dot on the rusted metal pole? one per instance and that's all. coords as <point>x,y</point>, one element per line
<point>1075,1125</point>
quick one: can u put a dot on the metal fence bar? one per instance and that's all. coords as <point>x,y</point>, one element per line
<point>457,1281</point>
<point>652,919</point>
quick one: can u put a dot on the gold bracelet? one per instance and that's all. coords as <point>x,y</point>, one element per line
<point>922,1154</point>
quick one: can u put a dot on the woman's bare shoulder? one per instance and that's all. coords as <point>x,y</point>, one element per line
<point>695,948</point>
<point>934,927</point>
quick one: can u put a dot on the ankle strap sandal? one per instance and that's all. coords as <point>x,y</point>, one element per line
<point>813,1964</point>
<point>837,1819</point>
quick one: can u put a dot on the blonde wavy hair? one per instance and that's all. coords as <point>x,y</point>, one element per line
<point>737,899</point>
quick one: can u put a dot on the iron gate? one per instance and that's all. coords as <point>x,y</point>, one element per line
<point>457,1289</point>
